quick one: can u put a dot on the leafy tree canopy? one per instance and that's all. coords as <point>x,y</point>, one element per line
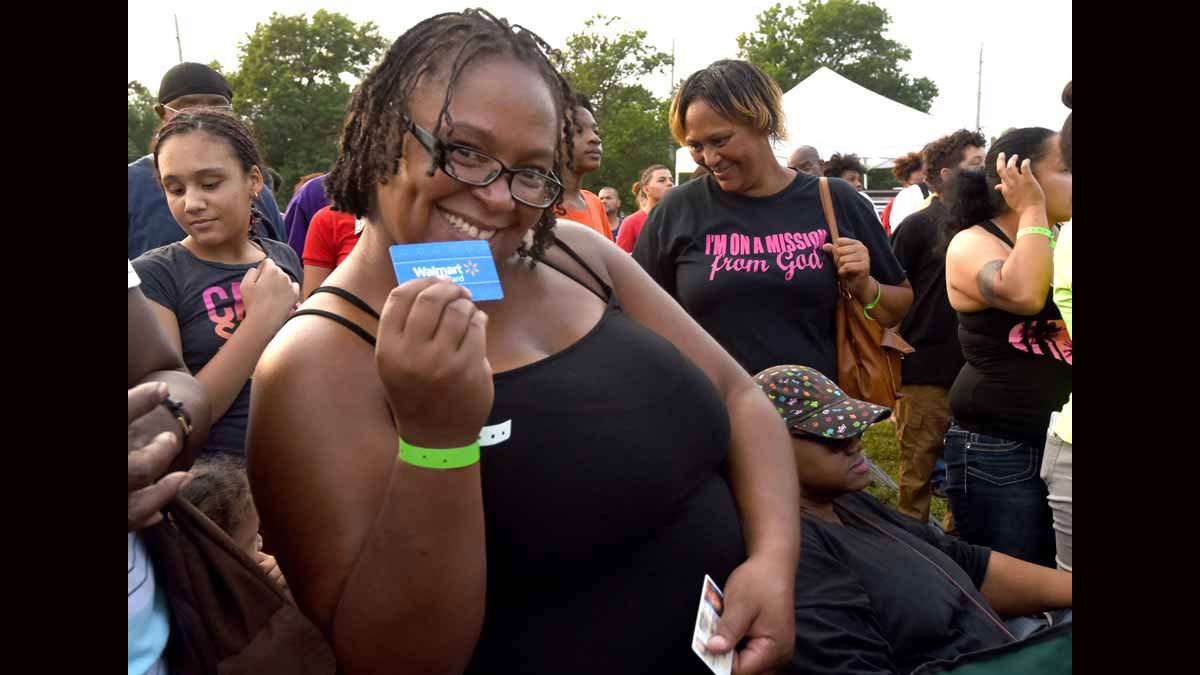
<point>293,84</point>
<point>792,42</point>
<point>606,62</point>
<point>142,120</point>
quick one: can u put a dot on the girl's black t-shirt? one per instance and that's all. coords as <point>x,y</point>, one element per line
<point>206,298</point>
<point>750,270</point>
<point>1018,370</point>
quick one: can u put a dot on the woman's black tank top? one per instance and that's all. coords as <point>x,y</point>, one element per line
<point>1018,369</point>
<point>604,504</point>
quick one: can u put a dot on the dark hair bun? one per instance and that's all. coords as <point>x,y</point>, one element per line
<point>1066,97</point>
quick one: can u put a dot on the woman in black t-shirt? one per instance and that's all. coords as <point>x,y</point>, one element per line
<point>877,591</point>
<point>222,293</point>
<point>746,250</point>
<point>1018,354</point>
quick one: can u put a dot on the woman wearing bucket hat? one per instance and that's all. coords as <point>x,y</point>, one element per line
<point>878,591</point>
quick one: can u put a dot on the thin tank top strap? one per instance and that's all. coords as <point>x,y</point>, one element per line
<point>347,323</point>
<point>608,291</point>
<point>348,297</point>
<point>357,329</point>
<point>997,232</point>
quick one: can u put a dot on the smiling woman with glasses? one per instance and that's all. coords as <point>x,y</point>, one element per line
<point>620,444</point>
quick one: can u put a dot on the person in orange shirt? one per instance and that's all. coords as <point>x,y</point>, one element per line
<point>578,204</point>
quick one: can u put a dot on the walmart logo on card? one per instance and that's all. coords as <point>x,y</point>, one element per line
<point>466,263</point>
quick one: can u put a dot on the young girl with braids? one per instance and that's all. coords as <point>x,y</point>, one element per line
<point>626,454</point>
<point>221,293</point>
<point>650,188</point>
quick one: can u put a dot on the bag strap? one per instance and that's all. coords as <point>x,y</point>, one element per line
<point>831,221</point>
<point>944,573</point>
<point>827,205</point>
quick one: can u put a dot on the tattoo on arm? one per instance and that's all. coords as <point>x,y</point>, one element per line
<point>987,277</point>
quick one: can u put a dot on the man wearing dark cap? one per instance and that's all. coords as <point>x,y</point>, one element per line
<point>187,85</point>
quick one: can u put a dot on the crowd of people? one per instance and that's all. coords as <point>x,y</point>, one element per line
<point>430,483</point>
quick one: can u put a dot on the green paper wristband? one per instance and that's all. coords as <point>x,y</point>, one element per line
<point>448,458</point>
<point>1037,230</point>
<point>878,295</point>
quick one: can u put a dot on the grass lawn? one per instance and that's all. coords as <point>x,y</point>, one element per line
<point>880,444</point>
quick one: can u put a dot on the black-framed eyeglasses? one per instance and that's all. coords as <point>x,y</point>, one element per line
<point>472,167</point>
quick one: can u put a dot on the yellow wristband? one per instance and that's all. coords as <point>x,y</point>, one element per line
<point>431,458</point>
<point>1037,230</point>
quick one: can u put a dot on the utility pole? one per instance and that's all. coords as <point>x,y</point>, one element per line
<point>979,89</point>
<point>178,44</point>
<point>670,143</point>
<point>672,63</point>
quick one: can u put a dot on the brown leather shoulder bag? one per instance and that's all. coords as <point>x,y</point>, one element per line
<point>868,355</point>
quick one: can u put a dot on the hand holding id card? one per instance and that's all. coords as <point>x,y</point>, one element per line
<point>466,263</point>
<point>712,606</point>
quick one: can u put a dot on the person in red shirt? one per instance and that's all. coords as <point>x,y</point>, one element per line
<point>654,183</point>
<point>331,237</point>
<point>578,204</point>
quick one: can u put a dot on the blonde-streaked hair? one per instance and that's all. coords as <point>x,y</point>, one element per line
<point>739,91</point>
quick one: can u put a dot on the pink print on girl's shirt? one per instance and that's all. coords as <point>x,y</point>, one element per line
<point>1042,338</point>
<point>793,251</point>
<point>227,319</point>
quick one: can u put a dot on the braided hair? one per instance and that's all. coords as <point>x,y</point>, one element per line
<point>224,125</point>
<point>372,137</point>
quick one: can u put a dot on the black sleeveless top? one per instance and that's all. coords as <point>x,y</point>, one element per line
<point>1018,369</point>
<point>605,505</point>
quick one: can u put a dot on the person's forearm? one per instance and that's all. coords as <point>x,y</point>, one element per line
<point>314,276</point>
<point>1014,587</point>
<point>226,372</point>
<point>894,302</point>
<point>187,390</point>
<point>428,540</point>
<point>1028,271</point>
<point>763,475</point>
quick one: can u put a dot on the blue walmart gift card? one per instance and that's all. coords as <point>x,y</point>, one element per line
<point>466,263</point>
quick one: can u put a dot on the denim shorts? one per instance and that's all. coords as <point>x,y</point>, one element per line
<point>997,495</point>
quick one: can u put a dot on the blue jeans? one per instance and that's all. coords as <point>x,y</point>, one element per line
<point>997,495</point>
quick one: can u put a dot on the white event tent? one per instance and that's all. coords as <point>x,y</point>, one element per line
<point>833,114</point>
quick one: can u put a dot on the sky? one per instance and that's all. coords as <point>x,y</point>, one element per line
<point>1026,43</point>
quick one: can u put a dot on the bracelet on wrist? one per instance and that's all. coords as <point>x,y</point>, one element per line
<point>439,458</point>
<point>875,302</point>
<point>181,417</point>
<point>1037,230</point>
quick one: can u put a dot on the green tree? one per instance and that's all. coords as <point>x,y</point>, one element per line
<point>142,120</point>
<point>606,62</point>
<point>793,41</point>
<point>292,85</point>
